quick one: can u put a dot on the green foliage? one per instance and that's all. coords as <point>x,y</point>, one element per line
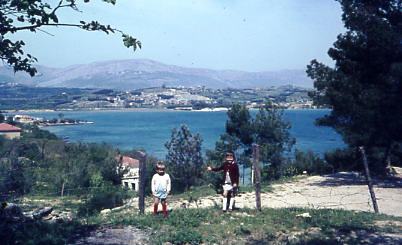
<point>34,132</point>
<point>268,129</point>
<point>33,15</point>
<point>310,162</point>
<point>38,163</point>
<point>273,137</point>
<point>344,160</point>
<point>102,195</point>
<point>2,118</point>
<point>239,124</point>
<point>37,232</point>
<point>16,177</point>
<point>210,226</point>
<point>365,86</point>
<point>19,97</point>
<point>184,158</point>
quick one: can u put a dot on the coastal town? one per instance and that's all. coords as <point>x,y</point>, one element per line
<point>175,98</point>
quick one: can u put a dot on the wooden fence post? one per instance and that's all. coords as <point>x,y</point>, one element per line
<point>257,175</point>
<point>368,178</point>
<point>142,181</point>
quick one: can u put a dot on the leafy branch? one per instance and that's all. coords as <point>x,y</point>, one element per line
<point>32,15</point>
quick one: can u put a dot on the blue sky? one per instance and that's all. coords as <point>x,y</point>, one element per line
<point>250,35</point>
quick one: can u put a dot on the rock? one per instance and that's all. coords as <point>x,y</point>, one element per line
<point>118,208</point>
<point>353,235</point>
<point>38,214</point>
<point>304,215</point>
<point>293,239</point>
<point>105,211</point>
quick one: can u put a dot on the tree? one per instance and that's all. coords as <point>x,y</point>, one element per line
<point>33,15</point>
<point>239,135</point>
<point>273,137</point>
<point>364,88</point>
<point>184,158</point>
<point>268,129</point>
<point>2,118</point>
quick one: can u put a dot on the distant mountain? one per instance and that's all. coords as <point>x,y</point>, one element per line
<point>141,73</point>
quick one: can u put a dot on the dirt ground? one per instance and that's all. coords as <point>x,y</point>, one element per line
<point>343,190</point>
<point>339,191</point>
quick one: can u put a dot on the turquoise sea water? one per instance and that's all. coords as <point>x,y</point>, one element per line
<point>150,130</point>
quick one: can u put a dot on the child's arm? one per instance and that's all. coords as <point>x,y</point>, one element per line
<point>153,185</point>
<point>168,184</point>
<point>217,169</point>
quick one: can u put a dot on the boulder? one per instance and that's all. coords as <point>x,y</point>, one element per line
<point>42,212</point>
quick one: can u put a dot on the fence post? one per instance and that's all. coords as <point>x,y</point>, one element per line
<point>257,175</point>
<point>142,181</point>
<point>368,178</point>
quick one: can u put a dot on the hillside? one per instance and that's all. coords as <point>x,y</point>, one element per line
<point>141,73</point>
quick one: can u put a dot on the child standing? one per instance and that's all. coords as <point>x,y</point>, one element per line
<point>230,180</point>
<point>160,188</point>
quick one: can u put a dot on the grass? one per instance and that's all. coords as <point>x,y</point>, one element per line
<point>194,226</point>
<point>209,226</point>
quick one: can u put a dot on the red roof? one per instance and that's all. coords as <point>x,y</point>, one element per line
<point>128,161</point>
<point>5,127</point>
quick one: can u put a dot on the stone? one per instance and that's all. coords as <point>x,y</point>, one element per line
<point>42,212</point>
<point>304,215</point>
<point>105,211</point>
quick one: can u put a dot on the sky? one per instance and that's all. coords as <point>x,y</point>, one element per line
<point>248,35</point>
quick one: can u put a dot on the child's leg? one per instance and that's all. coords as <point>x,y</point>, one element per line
<point>231,202</point>
<point>225,200</point>
<point>156,203</point>
<point>164,208</point>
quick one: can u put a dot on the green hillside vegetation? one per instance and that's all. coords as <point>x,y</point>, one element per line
<point>21,97</point>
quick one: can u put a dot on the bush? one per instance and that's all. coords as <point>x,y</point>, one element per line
<point>103,197</point>
<point>310,162</point>
<point>343,160</point>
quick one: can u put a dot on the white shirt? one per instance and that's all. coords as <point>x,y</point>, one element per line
<point>161,183</point>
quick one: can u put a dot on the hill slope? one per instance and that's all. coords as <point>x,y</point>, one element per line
<point>141,73</point>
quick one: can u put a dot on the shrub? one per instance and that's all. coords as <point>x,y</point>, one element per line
<point>343,160</point>
<point>310,162</point>
<point>103,197</point>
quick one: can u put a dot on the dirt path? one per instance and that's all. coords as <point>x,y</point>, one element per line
<point>342,191</point>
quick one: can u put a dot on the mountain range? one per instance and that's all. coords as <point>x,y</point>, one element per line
<point>143,73</point>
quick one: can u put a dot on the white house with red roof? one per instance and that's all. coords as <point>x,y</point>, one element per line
<point>131,168</point>
<point>9,131</point>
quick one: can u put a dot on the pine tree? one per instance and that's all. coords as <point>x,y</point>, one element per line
<point>184,158</point>
<point>364,88</point>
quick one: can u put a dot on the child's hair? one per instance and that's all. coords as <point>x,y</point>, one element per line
<point>160,165</point>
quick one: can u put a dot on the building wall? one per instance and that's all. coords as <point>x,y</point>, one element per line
<point>11,135</point>
<point>131,179</point>
<point>131,183</point>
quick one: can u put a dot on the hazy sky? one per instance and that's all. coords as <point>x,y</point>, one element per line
<point>251,35</point>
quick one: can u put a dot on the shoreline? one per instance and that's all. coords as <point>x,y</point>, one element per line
<point>142,110</point>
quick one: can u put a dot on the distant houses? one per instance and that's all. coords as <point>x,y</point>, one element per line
<point>9,131</point>
<point>130,168</point>
<point>25,119</point>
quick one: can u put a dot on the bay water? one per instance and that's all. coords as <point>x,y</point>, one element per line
<point>151,129</point>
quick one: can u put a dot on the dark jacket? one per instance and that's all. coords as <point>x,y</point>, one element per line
<point>233,170</point>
